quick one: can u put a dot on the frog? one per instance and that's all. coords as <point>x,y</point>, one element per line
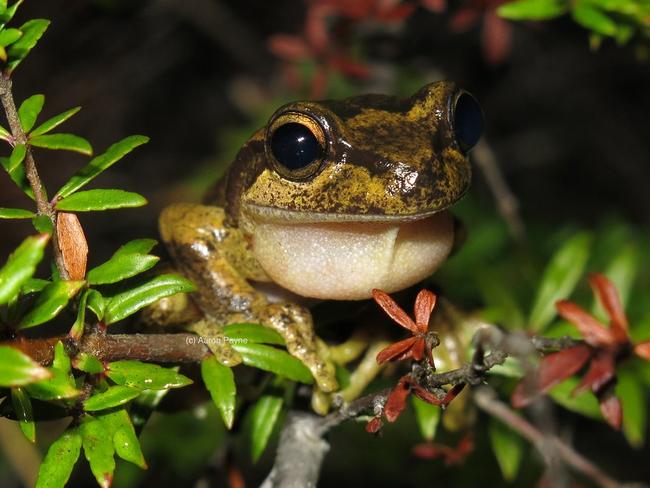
<point>328,201</point>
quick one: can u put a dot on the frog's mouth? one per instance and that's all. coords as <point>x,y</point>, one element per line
<point>344,258</point>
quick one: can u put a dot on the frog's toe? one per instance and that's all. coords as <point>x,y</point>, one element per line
<point>210,334</point>
<point>294,324</point>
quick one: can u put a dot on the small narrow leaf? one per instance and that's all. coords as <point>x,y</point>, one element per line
<point>33,285</point>
<point>23,408</point>
<point>77,329</point>
<point>136,246</point>
<point>61,359</point>
<point>114,396</point>
<point>32,31</point>
<point>121,267</point>
<point>145,376</point>
<point>220,382</point>
<point>73,245</point>
<point>127,303</point>
<point>252,333</point>
<point>632,395</point>
<point>94,200</point>
<point>16,213</point>
<point>88,364</point>
<point>59,387</point>
<point>17,369</point>
<point>16,170</point>
<point>21,266</point>
<point>9,36</point>
<point>5,134</point>
<point>96,303</point>
<point>264,415</point>
<point>61,457</point>
<point>594,19</point>
<point>532,9</point>
<point>54,122</point>
<point>50,302</point>
<point>99,450</point>
<point>507,447</point>
<point>65,142</point>
<point>427,416</point>
<point>274,360</point>
<point>126,443</point>
<point>29,110</point>
<point>43,224</point>
<point>559,279</point>
<point>585,404</point>
<point>100,163</point>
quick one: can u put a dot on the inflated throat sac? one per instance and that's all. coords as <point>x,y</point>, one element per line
<point>346,260</point>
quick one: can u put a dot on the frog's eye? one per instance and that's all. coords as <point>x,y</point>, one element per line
<point>297,145</point>
<point>467,121</point>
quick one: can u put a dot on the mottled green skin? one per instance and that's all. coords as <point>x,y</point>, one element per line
<point>384,159</point>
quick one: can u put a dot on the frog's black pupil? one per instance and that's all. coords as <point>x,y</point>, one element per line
<point>468,122</point>
<point>295,146</point>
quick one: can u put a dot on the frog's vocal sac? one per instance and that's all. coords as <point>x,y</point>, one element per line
<point>334,198</point>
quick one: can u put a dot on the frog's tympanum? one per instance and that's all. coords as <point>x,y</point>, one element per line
<point>330,200</point>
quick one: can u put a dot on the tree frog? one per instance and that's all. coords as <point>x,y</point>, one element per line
<point>328,201</point>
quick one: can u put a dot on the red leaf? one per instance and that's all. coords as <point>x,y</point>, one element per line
<point>349,66</point>
<point>396,402</point>
<point>425,396</point>
<point>593,331</point>
<point>424,304</point>
<point>610,407</point>
<point>642,349</point>
<point>417,351</point>
<point>453,393</point>
<point>395,14</point>
<point>393,310</point>
<point>608,296</point>
<point>464,19</point>
<point>374,425</point>
<point>291,48</point>
<point>429,450</point>
<point>601,371</point>
<point>497,34</point>
<point>437,6</point>
<point>394,350</point>
<point>316,27</point>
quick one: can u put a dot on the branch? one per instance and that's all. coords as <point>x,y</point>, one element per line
<point>42,205</point>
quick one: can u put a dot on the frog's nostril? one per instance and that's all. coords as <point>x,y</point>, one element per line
<point>468,121</point>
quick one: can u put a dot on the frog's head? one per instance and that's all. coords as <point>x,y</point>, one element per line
<point>344,196</point>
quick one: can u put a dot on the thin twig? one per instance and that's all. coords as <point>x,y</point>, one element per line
<point>43,206</point>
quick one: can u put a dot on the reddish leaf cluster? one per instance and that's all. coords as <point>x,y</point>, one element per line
<point>417,345</point>
<point>451,455</point>
<point>603,349</point>
<point>324,44</point>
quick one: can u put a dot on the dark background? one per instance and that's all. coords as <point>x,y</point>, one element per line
<point>569,126</point>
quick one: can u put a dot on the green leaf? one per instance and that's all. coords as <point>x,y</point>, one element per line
<point>88,364</point>
<point>54,122</point>
<point>94,200</point>
<point>33,285</point>
<point>274,360</point>
<point>127,303</point>
<point>584,404</point>
<point>220,382</point>
<point>29,110</point>
<point>136,246</point>
<point>9,13</point>
<point>264,415</point>
<point>43,224</point>
<point>593,19</point>
<point>126,443</point>
<point>59,387</point>
<point>114,396</point>
<point>508,447</point>
<point>32,31</point>
<point>632,395</point>
<point>145,376</point>
<point>23,408</point>
<point>559,279</point>
<point>98,449</point>
<point>252,333</point>
<point>623,269</point>
<point>61,457</point>
<point>96,303</point>
<point>16,170</point>
<point>65,142</point>
<point>18,369</point>
<point>100,163</point>
<point>5,134</point>
<point>532,9</point>
<point>16,213</point>
<point>9,36</point>
<point>427,416</point>
<point>121,267</point>
<point>61,359</point>
<point>50,302</point>
<point>20,266</point>
<point>77,329</point>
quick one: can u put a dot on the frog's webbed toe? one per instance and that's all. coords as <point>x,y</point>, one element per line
<point>294,324</point>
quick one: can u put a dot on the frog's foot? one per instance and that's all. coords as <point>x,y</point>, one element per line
<point>366,371</point>
<point>294,324</point>
<point>210,334</point>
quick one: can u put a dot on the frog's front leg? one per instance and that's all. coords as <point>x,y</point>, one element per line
<point>218,260</point>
